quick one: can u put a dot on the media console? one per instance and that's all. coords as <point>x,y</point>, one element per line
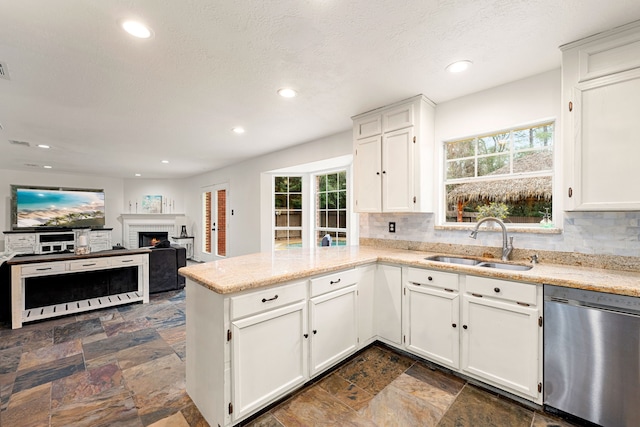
<point>44,286</point>
<point>55,240</point>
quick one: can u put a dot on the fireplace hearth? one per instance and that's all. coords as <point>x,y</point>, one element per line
<point>151,238</point>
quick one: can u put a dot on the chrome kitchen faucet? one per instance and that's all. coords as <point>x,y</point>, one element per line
<point>507,244</point>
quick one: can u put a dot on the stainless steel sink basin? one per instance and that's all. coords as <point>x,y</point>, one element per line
<point>453,260</point>
<point>504,266</point>
<point>477,263</point>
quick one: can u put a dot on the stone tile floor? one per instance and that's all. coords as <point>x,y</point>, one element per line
<point>125,367</point>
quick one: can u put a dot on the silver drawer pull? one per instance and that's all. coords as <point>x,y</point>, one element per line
<point>43,269</point>
<point>270,299</point>
<point>331,282</point>
<point>477,295</point>
<point>523,304</point>
<point>126,260</point>
<point>449,290</point>
<point>88,265</point>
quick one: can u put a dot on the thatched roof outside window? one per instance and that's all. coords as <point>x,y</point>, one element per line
<point>512,188</point>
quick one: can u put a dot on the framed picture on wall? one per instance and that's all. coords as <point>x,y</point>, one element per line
<point>152,204</point>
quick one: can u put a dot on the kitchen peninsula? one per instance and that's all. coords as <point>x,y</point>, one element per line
<point>260,326</point>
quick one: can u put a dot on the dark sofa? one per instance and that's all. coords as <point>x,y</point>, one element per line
<point>164,263</point>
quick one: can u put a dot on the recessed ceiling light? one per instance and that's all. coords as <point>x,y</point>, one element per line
<point>43,146</point>
<point>137,29</point>
<point>47,167</point>
<point>138,174</point>
<point>165,161</point>
<point>286,92</point>
<point>458,66</point>
<point>238,129</point>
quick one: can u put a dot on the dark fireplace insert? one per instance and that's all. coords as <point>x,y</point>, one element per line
<point>151,238</point>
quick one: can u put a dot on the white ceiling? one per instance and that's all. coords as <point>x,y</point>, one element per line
<point>112,105</point>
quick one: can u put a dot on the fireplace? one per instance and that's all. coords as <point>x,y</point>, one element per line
<point>151,238</point>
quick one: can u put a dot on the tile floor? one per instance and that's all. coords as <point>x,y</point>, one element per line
<point>125,367</point>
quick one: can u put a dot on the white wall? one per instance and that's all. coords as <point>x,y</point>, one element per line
<point>244,197</point>
<point>520,102</point>
<point>172,192</point>
<point>113,189</point>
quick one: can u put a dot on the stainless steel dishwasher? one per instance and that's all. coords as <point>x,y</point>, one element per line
<point>592,355</point>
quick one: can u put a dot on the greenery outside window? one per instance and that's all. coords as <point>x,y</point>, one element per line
<point>508,174</point>
<point>331,209</point>
<point>287,204</point>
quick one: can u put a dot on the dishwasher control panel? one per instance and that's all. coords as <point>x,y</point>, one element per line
<point>583,297</point>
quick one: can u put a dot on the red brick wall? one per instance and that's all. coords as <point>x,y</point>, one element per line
<point>222,222</point>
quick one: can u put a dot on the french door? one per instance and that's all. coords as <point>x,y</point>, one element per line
<point>215,224</point>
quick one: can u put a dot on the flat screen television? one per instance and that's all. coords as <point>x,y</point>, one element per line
<point>55,207</point>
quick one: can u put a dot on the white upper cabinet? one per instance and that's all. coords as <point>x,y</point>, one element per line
<point>393,157</point>
<point>600,89</point>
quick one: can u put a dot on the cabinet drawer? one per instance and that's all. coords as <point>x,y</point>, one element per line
<point>21,240</point>
<point>99,235</point>
<point>513,291</point>
<point>268,299</point>
<point>438,279</point>
<point>44,268</point>
<point>331,282</point>
<point>126,260</point>
<point>89,264</point>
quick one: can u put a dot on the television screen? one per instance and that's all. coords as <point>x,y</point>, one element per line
<point>48,207</point>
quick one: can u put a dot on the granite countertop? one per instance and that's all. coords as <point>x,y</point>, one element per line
<point>30,259</point>
<point>254,271</point>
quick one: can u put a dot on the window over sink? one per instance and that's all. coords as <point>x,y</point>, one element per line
<point>508,174</point>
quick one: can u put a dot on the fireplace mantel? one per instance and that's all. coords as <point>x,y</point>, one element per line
<point>134,223</point>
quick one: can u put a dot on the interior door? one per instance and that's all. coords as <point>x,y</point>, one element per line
<point>215,223</point>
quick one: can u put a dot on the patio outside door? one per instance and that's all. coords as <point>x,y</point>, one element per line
<point>214,203</point>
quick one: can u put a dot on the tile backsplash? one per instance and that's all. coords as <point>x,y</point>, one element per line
<point>606,233</point>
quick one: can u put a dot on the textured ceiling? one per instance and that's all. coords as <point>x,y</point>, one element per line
<point>112,105</point>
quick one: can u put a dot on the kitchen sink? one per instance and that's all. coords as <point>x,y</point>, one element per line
<point>477,263</point>
<point>504,266</point>
<point>453,260</point>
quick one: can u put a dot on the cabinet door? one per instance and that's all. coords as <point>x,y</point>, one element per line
<point>366,300</point>
<point>365,127</point>
<point>269,356</point>
<point>606,151</point>
<point>500,344</point>
<point>433,323</point>
<point>334,329</point>
<point>398,118</point>
<point>397,171</point>
<point>367,180</point>
<point>388,303</point>
<point>23,243</point>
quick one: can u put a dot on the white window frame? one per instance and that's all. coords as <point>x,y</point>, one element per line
<point>304,209</point>
<point>316,227</point>
<point>552,173</point>
<point>307,171</point>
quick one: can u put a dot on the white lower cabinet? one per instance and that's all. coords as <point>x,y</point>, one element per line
<point>387,304</point>
<point>334,327</point>
<point>269,356</point>
<point>485,328</point>
<point>249,349</point>
<point>502,334</point>
<point>433,324</point>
